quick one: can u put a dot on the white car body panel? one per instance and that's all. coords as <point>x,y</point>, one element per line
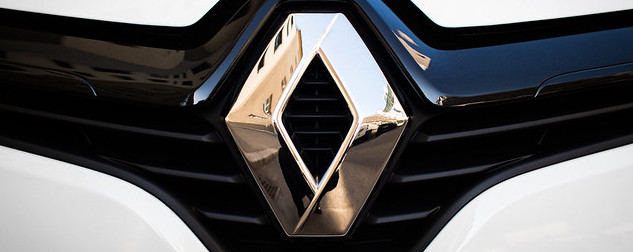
<point>49,205</point>
<point>145,12</point>
<point>469,13</point>
<point>579,205</point>
<point>453,13</point>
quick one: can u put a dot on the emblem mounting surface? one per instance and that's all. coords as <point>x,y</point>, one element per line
<point>303,204</point>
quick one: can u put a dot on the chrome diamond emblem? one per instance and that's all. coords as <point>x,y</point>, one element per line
<point>316,122</point>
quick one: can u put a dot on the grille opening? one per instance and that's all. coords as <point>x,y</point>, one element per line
<point>167,150</point>
<point>317,118</point>
<point>54,135</point>
<point>214,199</point>
<point>477,152</point>
<point>149,151</point>
<point>456,150</point>
<point>480,139</point>
<point>68,107</point>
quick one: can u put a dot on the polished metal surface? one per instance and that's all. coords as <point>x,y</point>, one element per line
<point>303,204</point>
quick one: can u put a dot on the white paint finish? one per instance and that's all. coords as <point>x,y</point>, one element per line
<point>467,13</point>
<point>48,205</point>
<point>174,13</point>
<point>584,204</point>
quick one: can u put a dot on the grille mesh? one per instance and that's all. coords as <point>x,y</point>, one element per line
<point>317,118</point>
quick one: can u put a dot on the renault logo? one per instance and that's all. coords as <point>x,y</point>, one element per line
<point>316,122</point>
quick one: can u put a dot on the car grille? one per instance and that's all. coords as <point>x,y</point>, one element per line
<point>177,151</point>
<point>451,153</point>
<point>456,154</point>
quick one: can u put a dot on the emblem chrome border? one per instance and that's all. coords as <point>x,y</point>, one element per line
<point>302,205</point>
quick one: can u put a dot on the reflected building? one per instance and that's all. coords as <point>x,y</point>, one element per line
<point>260,94</point>
<point>94,67</point>
<point>277,64</point>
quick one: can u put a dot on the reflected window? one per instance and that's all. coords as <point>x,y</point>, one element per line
<point>267,105</point>
<point>261,61</point>
<point>278,39</point>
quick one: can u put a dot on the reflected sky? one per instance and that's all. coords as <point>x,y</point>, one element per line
<point>316,23</point>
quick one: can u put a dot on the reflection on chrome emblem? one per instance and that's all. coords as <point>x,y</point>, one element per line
<point>305,200</point>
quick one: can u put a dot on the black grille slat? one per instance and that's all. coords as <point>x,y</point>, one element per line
<point>315,99</point>
<point>163,156</point>
<point>399,177</point>
<point>317,118</point>
<point>443,136</point>
<point>317,133</point>
<point>315,82</point>
<point>395,217</point>
<point>254,220</point>
<point>209,137</point>
<point>107,115</point>
<point>222,178</point>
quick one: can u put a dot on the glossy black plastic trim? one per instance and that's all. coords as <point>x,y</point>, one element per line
<point>139,63</point>
<point>584,79</point>
<point>454,38</point>
<point>510,67</point>
<point>187,37</point>
<point>467,65</point>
